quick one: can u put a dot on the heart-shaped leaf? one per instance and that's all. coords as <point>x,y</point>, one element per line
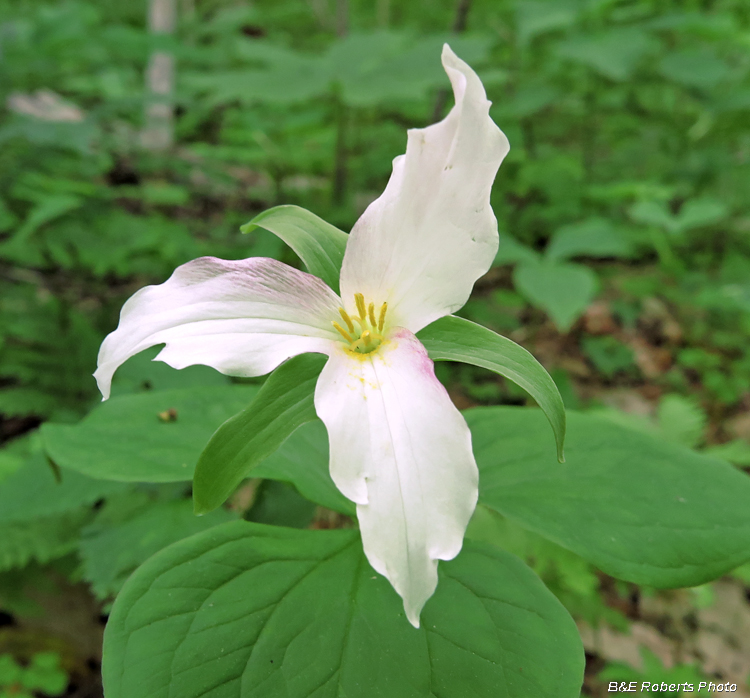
<point>560,289</point>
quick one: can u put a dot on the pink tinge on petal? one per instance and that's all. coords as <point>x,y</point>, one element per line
<point>241,317</point>
<point>402,451</point>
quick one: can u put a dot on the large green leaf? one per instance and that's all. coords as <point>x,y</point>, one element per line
<point>456,339</point>
<point>148,437</point>
<point>33,491</point>
<point>319,244</point>
<point>41,516</point>
<point>283,403</point>
<point>125,534</point>
<point>246,610</point>
<point>640,509</point>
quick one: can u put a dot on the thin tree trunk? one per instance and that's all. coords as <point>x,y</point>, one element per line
<point>459,25</point>
<point>384,13</point>
<point>342,17</point>
<point>158,131</point>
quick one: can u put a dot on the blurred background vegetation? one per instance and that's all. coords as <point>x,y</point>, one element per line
<point>135,136</point>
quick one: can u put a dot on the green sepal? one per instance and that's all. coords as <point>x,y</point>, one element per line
<point>283,403</point>
<point>453,338</point>
<point>319,244</point>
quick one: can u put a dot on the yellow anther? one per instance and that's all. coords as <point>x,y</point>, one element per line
<point>347,319</point>
<point>343,332</point>
<point>381,319</point>
<point>359,299</point>
<point>364,332</point>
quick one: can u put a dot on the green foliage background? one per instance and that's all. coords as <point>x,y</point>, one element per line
<point>624,262</point>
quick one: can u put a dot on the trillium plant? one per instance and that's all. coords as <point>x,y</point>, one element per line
<point>401,601</point>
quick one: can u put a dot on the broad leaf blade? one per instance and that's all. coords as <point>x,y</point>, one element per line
<point>640,509</point>
<point>456,339</point>
<point>319,244</point>
<point>561,289</point>
<point>112,547</point>
<point>250,611</point>
<point>283,403</point>
<point>147,437</point>
<point>32,492</point>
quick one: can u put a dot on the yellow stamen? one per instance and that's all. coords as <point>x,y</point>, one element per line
<point>343,332</point>
<point>347,319</point>
<point>381,319</point>
<point>359,299</point>
<point>364,333</point>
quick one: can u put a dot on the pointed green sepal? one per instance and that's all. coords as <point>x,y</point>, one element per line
<point>453,338</point>
<point>319,244</point>
<point>283,403</point>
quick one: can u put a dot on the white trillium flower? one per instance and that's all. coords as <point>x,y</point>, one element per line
<point>399,448</point>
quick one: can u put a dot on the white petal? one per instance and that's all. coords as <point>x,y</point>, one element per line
<point>432,233</point>
<point>402,452</point>
<point>243,318</point>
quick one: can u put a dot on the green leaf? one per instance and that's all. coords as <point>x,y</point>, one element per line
<point>534,18</point>
<point>653,213</point>
<point>608,355</point>
<point>41,539</point>
<point>560,289</point>
<point>614,53</point>
<point>111,551</point>
<point>455,339</point>
<point>699,68</point>
<point>302,460</point>
<point>319,244</point>
<point>736,452</point>
<point>247,610</point>
<point>44,673</point>
<point>32,491</point>
<point>595,237</point>
<point>279,504</point>
<point>141,372</point>
<point>147,437</point>
<point>697,213</point>
<point>510,251</point>
<point>376,67</point>
<point>283,403</point>
<point>682,420</point>
<point>640,509</point>
<point>47,209</point>
<point>8,219</point>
